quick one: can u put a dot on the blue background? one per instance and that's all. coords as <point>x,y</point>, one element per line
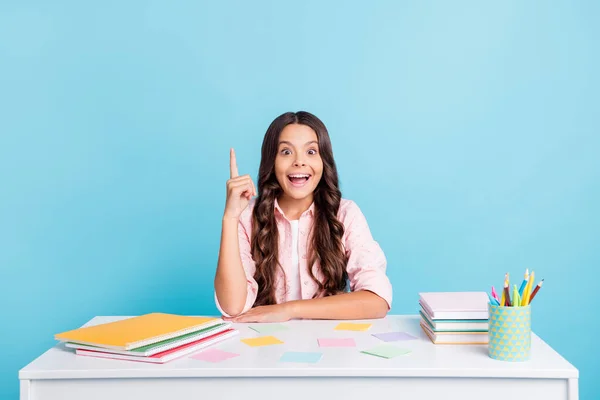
<point>467,132</point>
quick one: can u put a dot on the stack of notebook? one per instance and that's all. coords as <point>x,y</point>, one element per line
<point>155,337</point>
<point>455,317</point>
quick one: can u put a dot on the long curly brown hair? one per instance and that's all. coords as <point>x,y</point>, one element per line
<point>327,230</point>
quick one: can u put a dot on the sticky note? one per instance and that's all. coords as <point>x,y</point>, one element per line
<point>267,328</point>
<point>300,357</point>
<point>214,355</point>
<point>350,326</point>
<point>262,341</point>
<point>394,336</point>
<point>386,351</point>
<point>326,342</point>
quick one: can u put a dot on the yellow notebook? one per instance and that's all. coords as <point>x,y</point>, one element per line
<point>136,332</point>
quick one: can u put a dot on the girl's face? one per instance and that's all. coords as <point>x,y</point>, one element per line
<point>298,164</point>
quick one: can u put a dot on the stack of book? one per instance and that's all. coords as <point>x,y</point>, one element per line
<point>154,338</point>
<point>455,317</point>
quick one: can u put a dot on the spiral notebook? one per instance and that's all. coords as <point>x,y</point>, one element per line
<point>158,347</point>
<point>134,332</point>
<point>168,355</point>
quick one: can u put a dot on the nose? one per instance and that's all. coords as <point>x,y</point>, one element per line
<point>299,162</point>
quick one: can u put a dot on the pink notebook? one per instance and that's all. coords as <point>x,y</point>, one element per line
<point>455,305</point>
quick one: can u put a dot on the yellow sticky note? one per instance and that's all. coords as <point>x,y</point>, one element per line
<point>262,341</point>
<point>349,326</point>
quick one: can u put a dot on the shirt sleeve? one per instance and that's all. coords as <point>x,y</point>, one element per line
<point>249,268</point>
<point>366,261</point>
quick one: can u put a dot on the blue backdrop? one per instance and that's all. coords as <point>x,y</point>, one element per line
<point>468,134</point>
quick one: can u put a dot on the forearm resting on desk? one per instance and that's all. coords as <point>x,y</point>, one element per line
<point>230,278</point>
<point>361,304</point>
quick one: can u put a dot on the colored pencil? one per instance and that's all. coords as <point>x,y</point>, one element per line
<point>524,283</point>
<point>538,286</point>
<point>527,291</point>
<point>495,295</point>
<point>507,294</point>
<point>516,301</point>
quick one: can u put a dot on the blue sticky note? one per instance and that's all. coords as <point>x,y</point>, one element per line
<point>300,357</point>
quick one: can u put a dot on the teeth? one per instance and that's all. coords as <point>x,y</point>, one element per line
<point>298,176</point>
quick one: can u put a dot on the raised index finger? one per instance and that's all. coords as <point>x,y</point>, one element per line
<point>233,170</point>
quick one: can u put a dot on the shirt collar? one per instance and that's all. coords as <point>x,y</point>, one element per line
<point>310,211</point>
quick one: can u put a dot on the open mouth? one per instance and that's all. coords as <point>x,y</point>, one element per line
<point>299,180</point>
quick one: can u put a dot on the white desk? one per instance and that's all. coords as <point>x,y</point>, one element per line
<point>428,372</point>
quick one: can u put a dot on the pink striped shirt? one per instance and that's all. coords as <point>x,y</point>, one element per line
<point>366,262</point>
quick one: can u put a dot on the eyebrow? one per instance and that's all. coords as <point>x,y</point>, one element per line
<point>290,144</point>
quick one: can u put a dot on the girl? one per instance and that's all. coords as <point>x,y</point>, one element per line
<point>298,250</point>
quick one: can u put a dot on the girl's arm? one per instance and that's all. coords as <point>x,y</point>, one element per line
<point>362,304</point>
<point>230,278</point>
<point>231,282</point>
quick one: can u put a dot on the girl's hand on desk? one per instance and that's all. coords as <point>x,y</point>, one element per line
<point>273,313</point>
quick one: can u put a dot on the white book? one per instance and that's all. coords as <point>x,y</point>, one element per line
<point>455,305</point>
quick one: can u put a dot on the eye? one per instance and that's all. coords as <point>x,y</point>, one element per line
<point>285,152</point>
<point>312,152</point>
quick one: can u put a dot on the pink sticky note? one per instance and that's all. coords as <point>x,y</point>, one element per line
<point>349,342</point>
<point>214,355</point>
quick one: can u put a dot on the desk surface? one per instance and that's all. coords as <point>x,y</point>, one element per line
<point>425,359</point>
